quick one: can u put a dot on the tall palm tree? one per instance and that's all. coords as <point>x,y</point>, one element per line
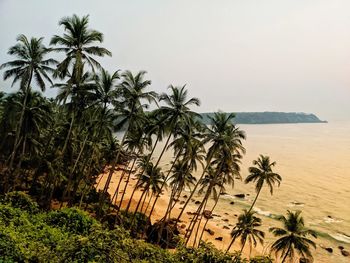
<point>262,174</point>
<point>293,237</point>
<point>30,63</point>
<point>246,230</point>
<point>216,135</point>
<point>79,44</point>
<point>130,108</point>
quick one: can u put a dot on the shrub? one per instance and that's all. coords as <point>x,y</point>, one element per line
<point>72,220</point>
<point>8,250</point>
<point>21,200</point>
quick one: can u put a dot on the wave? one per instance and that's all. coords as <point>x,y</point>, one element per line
<point>296,204</point>
<point>330,220</point>
<point>341,237</point>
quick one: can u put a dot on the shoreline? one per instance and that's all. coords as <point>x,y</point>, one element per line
<point>220,224</point>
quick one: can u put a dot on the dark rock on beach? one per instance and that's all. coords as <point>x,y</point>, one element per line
<point>240,195</point>
<point>329,249</point>
<point>211,232</point>
<point>219,238</point>
<point>345,253</point>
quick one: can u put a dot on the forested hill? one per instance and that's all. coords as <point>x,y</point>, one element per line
<point>269,117</point>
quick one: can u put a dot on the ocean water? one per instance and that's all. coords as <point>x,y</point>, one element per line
<point>314,162</point>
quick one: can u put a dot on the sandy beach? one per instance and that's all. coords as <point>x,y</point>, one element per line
<point>221,223</point>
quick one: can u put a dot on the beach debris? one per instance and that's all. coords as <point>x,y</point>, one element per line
<point>226,214</point>
<point>185,196</point>
<point>304,260</point>
<point>225,227</point>
<point>232,203</point>
<point>211,232</point>
<point>225,220</point>
<point>182,202</point>
<point>240,195</point>
<point>207,214</point>
<point>329,249</point>
<point>197,202</point>
<point>341,247</point>
<point>219,238</point>
<point>183,226</point>
<point>345,253</point>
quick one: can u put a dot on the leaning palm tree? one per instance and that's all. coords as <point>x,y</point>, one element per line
<point>79,44</point>
<point>293,237</point>
<point>262,174</point>
<point>217,135</point>
<point>245,229</point>
<point>30,64</point>
<point>130,108</point>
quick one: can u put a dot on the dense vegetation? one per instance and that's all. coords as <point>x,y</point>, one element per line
<point>268,117</point>
<point>57,149</point>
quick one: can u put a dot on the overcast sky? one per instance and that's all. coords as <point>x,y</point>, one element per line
<point>235,55</point>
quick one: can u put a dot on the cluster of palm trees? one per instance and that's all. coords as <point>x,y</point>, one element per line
<point>57,148</point>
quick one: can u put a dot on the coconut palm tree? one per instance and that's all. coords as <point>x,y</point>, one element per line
<point>262,174</point>
<point>30,63</point>
<point>130,108</point>
<point>292,238</point>
<point>220,136</point>
<point>79,44</point>
<point>246,230</point>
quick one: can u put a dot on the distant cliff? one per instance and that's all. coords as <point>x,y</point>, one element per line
<point>269,117</point>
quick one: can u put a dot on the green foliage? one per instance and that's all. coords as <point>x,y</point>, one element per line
<point>205,253</point>
<point>21,200</point>
<point>8,250</point>
<point>71,220</point>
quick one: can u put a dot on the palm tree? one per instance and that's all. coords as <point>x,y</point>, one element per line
<point>245,229</point>
<point>219,133</point>
<point>30,63</point>
<point>130,108</point>
<point>293,237</point>
<point>79,44</point>
<point>262,173</point>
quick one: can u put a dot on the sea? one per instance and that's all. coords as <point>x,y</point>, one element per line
<point>314,162</point>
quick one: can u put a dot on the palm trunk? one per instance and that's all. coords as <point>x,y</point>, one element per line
<point>164,183</point>
<point>67,189</point>
<point>20,123</point>
<point>231,243</point>
<point>194,190</point>
<point>126,185</point>
<point>134,190</point>
<point>256,198</point>
<point>286,255</point>
<point>115,195</point>
<point>199,223</point>
<point>206,222</point>
<point>68,134</point>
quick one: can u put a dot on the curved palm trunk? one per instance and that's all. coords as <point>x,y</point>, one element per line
<point>256,198</point>
<point>193,191</point>
<point>116,192</point>
<point>20,123</point>
<point>68,134</point>
<point>163,184</point>
<point>70,178</point>
<point>231,243</point>
<point>199,224</point>
<point>134,190</point>
<point>207,220</point>
<point>286,255</point>
<point>126,185</point>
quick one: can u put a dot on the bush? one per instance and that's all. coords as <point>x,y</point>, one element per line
<point>8,250</point>
<point>21,200</point>
<point>71,220</point>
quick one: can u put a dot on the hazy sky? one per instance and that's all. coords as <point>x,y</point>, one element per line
<point>235,55</point>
